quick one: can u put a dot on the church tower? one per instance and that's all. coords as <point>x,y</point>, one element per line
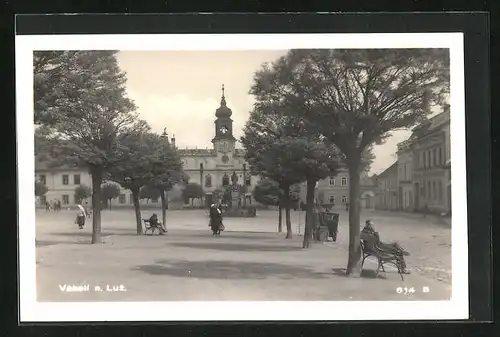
<point>224,140</point>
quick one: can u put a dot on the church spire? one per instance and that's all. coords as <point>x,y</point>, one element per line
<point>223,98</point>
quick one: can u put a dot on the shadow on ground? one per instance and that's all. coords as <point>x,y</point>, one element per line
<point>365,273</point>
<point>237,247</point>
<point>228,270</point>
<point>47,243</point>
<point>240,235</point>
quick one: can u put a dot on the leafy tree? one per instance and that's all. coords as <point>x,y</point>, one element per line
<point>268,192</point>
<point>283,148</point>
<point>82,192</point>
<point>149,192</point>
<point>145,156</point>
<point>110,191</point>
<point>80,96</point>
<point>40,189</point>
<point>354,99</point>
<point>165,179</point>
<point>192,191</point>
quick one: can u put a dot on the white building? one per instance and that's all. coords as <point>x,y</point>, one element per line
<point>211,168</point>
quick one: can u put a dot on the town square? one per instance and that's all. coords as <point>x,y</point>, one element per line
<point>296,175</point>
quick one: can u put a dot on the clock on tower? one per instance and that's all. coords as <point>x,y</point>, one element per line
<point>224,140</point>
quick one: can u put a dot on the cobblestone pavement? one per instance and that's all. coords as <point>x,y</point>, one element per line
<point>249,261</point>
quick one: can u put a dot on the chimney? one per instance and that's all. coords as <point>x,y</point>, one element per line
<point>172,141</point>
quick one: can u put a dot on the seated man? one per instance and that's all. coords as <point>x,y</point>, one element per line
<point>393,248</point>
<point>153,221</point>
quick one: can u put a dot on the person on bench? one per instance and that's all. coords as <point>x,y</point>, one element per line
<point>393,247</point>
<point>153,221</point>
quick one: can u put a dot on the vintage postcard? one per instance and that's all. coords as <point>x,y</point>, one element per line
<point>242,177</point>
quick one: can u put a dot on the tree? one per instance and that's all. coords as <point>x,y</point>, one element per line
<point>355,98</point>
<point>40,189</point>
<point>143,159</point>
<point>149,192</point>
<point>192,191</point>
<point>110,191</point>
<point>283,147</point>
<point>167,173</point>
<point>80,96</point>
<point>268,192</point>
<point>82,192</point>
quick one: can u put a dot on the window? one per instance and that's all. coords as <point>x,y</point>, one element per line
<point>440,156</point>
<point>154,200</point>
<point>43,200</point>
<point>65,198</point>
<point>248,180</point>
<point>440,190</point>
<point>76,179</point>
<point>424,159</point>
<point>225,180</point>
<point>65,179</point>
<point>422,190</point>
<point>343,182</point>
<point>344,199</point>
<point>121,198</point>
<point>201,166</point>
<point>130,199</point>
<point>406,178</point>
<point>429,190</point>
<point>434,157</point>
<point>332,200</point>
<point>43,179</point>
<point>434,193</point>
<point>332,181</point>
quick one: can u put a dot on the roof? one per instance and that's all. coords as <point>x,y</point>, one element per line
<point>431,124</point>
<point>389,170</point>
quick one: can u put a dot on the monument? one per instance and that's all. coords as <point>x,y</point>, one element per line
<point>235,209</point>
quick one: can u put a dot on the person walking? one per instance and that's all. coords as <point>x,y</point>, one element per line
<point>80,217</point>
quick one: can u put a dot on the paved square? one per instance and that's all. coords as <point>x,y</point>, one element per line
<point>249,261</point>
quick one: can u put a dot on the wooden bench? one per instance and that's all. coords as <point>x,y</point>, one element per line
<point>149,227</point>
<point>370,246</point>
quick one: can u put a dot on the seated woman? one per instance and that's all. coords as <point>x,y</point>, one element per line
<point>153,221</point>
<point>393,247</point>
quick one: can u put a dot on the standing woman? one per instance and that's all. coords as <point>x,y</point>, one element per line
<point>80,217</point>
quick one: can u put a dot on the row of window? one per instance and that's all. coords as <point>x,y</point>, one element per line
<point>432,157</point>
<point>432,190</point>
<point>404,173</point>
<point>65,179</point>
<point>343,181</point>
<point>331,199</point>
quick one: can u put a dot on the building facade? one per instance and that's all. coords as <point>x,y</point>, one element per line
<point>387,189</point>
<point>405,176</point>
<point>334,191</point>
<point>423,170</point>
<point>431,143</point>
<point>211,168</point>
<point>214,168</point>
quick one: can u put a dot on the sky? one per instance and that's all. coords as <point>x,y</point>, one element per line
<point>180,91</point>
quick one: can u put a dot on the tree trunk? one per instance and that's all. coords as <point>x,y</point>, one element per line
<point>163,208</point>
<point>354,261</point>
<point>110,203</point>
<point>96,204</point>
<point>280,218</point>
<point>286,199</point>
<point>310,219</point>
<point>138,220</point>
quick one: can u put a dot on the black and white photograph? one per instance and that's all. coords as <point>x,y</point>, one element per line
<point>185,177</point>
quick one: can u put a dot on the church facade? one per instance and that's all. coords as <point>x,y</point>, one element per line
<point>215,168</point>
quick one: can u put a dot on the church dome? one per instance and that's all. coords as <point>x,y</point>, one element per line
<point>223,110</point>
